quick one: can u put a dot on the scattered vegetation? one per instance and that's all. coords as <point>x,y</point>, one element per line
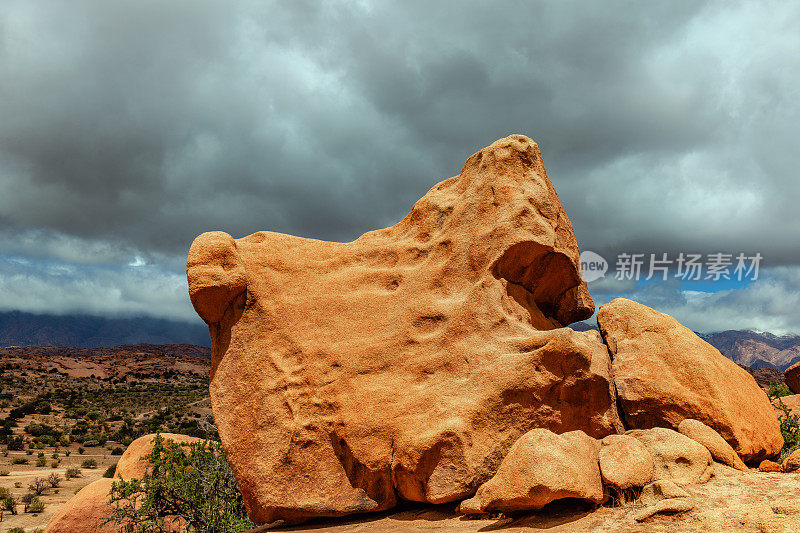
<point>778,390</point>
<point>192,483</point>
<point>790,429</point>
<point>51,420</point>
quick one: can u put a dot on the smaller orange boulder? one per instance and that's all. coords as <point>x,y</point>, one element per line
<point>792,463</point>
<point>541,467</point>
<point>625,462</point>
<point>769,466</point>
<point>792,378</point>
<point>85,512</point>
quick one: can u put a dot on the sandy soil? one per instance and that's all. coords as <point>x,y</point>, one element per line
<point>25,474</point>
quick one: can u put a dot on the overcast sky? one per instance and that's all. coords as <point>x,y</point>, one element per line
<point>128,128</point>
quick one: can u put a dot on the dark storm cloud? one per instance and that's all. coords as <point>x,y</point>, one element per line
<point>129,128</point>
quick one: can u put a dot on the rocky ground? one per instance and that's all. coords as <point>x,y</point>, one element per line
<point>731,501</point>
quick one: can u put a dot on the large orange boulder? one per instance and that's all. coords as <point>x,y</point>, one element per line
<point>664,373</point>
<point>406,363</point>
<point>86,512</point>
<point>540,468</point>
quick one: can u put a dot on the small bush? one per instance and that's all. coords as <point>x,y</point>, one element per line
<point>54,480</point>
<point>54,464</point>
<point>790,427</point>
<point>192,482</point>
<point>38,486</point>
<point>117,451</point>
<point>41,462</point>
<point>89,463</point>
<point>4,472</point>
<point>110,471</point>
<point>91,443</point>
<point>72,471</point>
<point>778,390</point>
<point>19,461</point>
<point>81,450</point>
<point>35,506</point>
<point>9,503</point>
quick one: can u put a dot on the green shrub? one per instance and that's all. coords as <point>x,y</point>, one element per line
<point>110,471</point>
<point>38,486</point>
<point>4,473</point>
<point>41,462</point>
<point>117,451</point>
<point>72,471</point>
<point>19,461</point>
<point>790,427</point>
<point>778,390</point>
<point>9,503</point>
<point>89,463</point>
<point>192,482</point>
<point>91,443</point>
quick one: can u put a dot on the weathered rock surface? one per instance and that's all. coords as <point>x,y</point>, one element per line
<point>676,457</point>
<point>661,490</point>
<point>88,509</point>
<point>769,466</point>
<point>713,441</point>
<point>625,462</point>
<point>792,378</point>
<point>664,373</point>
<point>540,468</point>
<point>85,512</point>
<point>671,506</point>
<point>407,362</point>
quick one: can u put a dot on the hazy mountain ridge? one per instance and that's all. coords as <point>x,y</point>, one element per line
<point>141,334</point>
<point>84,331</point>
<point>757,350</point>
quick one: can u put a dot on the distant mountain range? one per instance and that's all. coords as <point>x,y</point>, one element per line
<point>83,331</point>
<point>757,350</point>
<point>747,348</point>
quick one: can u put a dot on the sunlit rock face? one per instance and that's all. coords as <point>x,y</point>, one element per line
<point>406,363</point>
